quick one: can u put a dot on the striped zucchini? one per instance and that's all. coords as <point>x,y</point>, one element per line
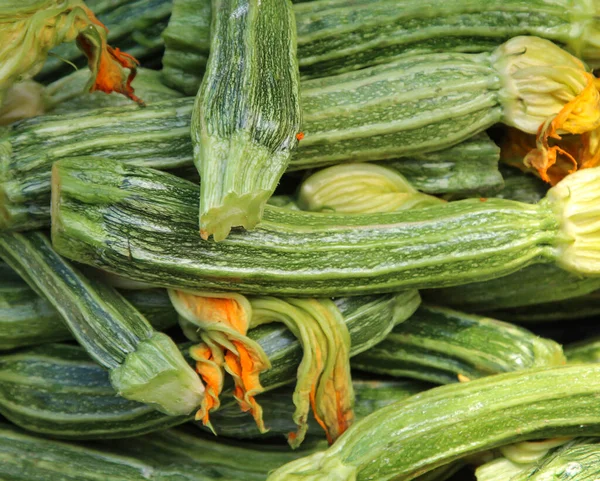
<point>247,112</point>
<point>278,408</point>
<point>28,319</point>
<point>135,26</point>
<point>39,386</point>
<point>443,346</point>
<point>412,437</point>
<point>145,365</point>
<point>153,239</point>
<point>533,286</point>
<point>68,93</point>
<point>339,35</point>
<point>174,455</point>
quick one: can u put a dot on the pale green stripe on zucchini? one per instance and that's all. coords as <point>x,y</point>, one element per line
<point>145,365</point>
<point>336,36</point>
<point>247,112</point>
<point>143,229</point>
<point>447,423</point>
<point>442,346</point>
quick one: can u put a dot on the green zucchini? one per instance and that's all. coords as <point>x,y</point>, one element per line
<point>154,239</point>
<point>582,307</point>
<point>126,21</point>
<point>73,398</point>
<point>247,112</point>
<point>533,286</point>
<point>174,455</point>
<point>28,319</point>
<point>412,437</point>
<point>68,94</point>
<point>339,35</point>
<point>523,188</point>
<point>577,460</point>
<point>145,365</point>
<point>442,346</point>
<point>278,408</point>
<point>585,351</point>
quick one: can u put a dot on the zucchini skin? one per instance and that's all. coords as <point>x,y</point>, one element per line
<point>440,345</point>
<point>291,252</point>
<point>55,389</point>
<point>247,112</point>
<point>532,286</point>
<point>140,360</point>
<point>336,36</point>
<point>446,423</point>
<point>173,455</point>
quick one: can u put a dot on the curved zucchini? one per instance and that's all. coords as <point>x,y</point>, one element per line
<point>339,35</point>
<point>247,112</point>
<point>311,254</point>
<point>145,365</point>
<point>278,408</point>
<point>535,285</point>
<point>175,455</point>
<point>444,346</point>
<point>56,389</point>
<point>412,437</point>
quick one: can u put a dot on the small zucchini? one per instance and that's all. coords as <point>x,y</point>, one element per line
<point>412,437</point>
<point>153,239</point>
<point>442,346</point>
<point>247,112</point>
<point>145,365</point>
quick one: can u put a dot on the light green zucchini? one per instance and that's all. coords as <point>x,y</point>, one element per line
<point>416,105</point>
<point>533,286</point>
<point>278,409</point>
<point>154,239</point>
<point>444,346</point>
<point>247,112</point>
<point>28,319</point>
<point>56,389</point>
<point>339,35</point>
<point>145,365</point>
<point>68,94</point>
<point>173,455</point>
<point>411,437</point>
<point>134,26</point>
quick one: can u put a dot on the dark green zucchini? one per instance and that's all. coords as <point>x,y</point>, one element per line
<point>39,386</point>
<point>444,346</point>
<point>173,455</point>
<point>145,365</point>
<point>278,408</point>
<point>412,437</point>
<point>154,239</point>
<point>134,26</point>
<point>340,35</point>
<point>535,285</point>
<point>68,94</point>
<point>247,112</point>
<point>585,351</point>
<point>521,187</point>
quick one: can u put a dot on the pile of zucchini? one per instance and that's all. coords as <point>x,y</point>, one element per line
<point>301,240</point>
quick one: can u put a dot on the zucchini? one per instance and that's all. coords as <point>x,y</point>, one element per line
<point>145,365</point>
<point>585,351</point>
<point>68,93</point>
<point>412,437</point>
<point>175,455</point>
<point>278,409</point>
<point>126,21</point>
<point>443,346</point>
<point>533,286</point>
<point>28,319</point>
<point>339,35</point>
<point>247,112</point>
<point>153,237</point>
<point>366,115</point>
<point>523,188</point>
<point>74,398</point>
